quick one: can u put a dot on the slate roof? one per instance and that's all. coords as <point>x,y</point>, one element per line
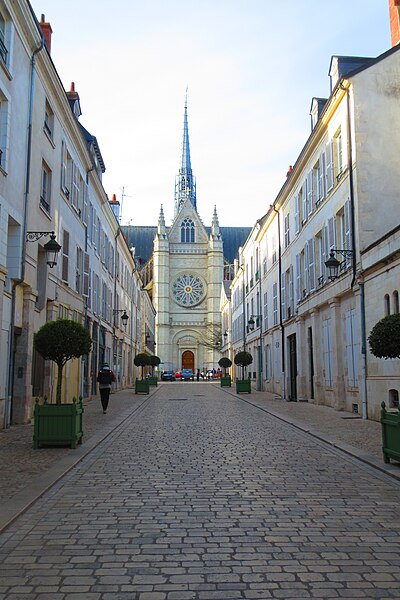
<point>141,238</point>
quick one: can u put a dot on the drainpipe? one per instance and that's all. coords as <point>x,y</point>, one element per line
<point>17,282</point>
<point>364,389</point>
<point>283,377</point>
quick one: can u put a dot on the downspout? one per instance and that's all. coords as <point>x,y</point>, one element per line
<point>17,282</point>
<point>283,377</point>
<point>364,389</point>
<point>260,310</point>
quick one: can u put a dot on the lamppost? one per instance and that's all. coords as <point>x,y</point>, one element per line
<point>124,319</point>
<point>251,324</point>
<point>333,264</point>
<point>52,247</point>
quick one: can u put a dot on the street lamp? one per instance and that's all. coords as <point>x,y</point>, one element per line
<point>52,247</point>
<point>333,264</point>
<point>124,316</point>
<point>250,324</point>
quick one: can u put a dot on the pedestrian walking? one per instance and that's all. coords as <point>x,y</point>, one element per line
<point>105,379</point>
<point>198,374</point>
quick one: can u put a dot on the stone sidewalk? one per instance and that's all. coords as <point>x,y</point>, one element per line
<point>26,473</point>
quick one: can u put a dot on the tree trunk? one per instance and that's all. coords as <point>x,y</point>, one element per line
<point>59,383</point>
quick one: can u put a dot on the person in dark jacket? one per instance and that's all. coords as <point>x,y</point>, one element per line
<point>105,379</point>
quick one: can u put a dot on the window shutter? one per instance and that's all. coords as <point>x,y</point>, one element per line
<point>298,278</point>
<point>310,193</point>
<point>283,295</point>
<point>297,213</point>
<point>351,348</point>
<point>304,200</point>
<point>327,343</point>
<point>291,292</point>
<point>65,258</point>
<point>329,166</point>
<point>306,268</point>
<point>322,169</point>
<point>86,276</point>
<point>311,264</point>
<point>331,233</point>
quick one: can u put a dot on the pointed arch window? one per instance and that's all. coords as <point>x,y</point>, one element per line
<point>187,231</point>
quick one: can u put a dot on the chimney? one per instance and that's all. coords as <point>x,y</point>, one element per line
<point>394,15</point>
<point>115,206</point>
<point>47,31</point>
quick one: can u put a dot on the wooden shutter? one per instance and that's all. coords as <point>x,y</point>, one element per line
<point>65,258</point>
<point>86,275</point>
<point>329,166</point>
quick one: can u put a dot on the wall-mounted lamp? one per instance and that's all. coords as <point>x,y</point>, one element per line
<point>333,264</point>
<point>52,247</point>
<point>251,322</point>
<point>124,316</point>
<point>225,335</point>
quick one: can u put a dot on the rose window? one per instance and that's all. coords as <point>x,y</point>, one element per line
<point>188,290</point>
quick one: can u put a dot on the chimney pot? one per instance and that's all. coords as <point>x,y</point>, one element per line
<point>394,15</point>
<point>47,31</point>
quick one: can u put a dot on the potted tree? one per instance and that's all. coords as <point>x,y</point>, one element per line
<point>142,385</point>
<point>243,359</point>
<point>384,342</point>
<point>225,363</point>
<point>60,424</point>
<point>154,362</point>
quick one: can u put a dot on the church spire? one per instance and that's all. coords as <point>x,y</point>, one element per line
<point>185,183</point>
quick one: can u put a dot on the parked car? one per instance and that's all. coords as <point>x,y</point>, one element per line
<point>187,374</point>
<point>177,374</point>
<point>167,376</point>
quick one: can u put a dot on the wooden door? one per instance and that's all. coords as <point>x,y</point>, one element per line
<point>188,360</point>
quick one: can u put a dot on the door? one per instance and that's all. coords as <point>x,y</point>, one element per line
<point>188,360</point>
<point>292,368</point>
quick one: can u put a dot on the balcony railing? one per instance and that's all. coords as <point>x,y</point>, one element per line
<point>3,52</point>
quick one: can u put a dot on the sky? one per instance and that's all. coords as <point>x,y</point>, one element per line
<point>251,68</point>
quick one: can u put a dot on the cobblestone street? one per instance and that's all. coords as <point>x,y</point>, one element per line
<point>200,495</point>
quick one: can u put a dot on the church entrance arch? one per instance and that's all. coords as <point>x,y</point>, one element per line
<point>188,360</point>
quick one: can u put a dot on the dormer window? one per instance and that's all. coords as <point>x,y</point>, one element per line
<point>187,231</point>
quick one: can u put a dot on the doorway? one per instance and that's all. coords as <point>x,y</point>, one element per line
<point>188,360</point>
<point>292,368</point>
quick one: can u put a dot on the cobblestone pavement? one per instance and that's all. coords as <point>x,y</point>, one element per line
<point>201,495</point>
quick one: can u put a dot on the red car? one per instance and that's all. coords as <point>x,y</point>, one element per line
<point>178,375</point>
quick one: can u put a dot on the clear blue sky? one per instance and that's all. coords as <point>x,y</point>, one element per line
<point>251,66</point>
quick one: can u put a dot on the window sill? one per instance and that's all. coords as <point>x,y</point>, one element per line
<point>6,71</point>
<point>46,133</point>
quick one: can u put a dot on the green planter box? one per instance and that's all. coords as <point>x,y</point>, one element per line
<point>58,424</point>
<point>243,386</point>
<point>142,386</point>
<point>152,380</point>
<point>226,381</point>
<point>390,423</point>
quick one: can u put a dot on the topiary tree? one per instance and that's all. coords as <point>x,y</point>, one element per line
<point>154,361</point>
<point>384,339</point>
<point>243,359</point>
<point>142,360</point>
<point>225,363</point>
<point>60,341</point>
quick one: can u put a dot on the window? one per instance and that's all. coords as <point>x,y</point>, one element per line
<point>275,302</point>
<point>4,56</point>
<point>45,190</point>
<point>287,230</point>
<point>327,351</point>
<point>396,301</point>
<point>297,216</point>
<point>299,279</point>
<point>321,182</point>
<point>329,167</point>
<point>268,365</point>
<point>393,398</point>
<point>4,129</point>
<point>338,153</point>
<point>265,311</point>
<point>283,295</point>
<point>321,254</point>
<point>79,270</point>
<point>187,231</point>
<point>48,121</point>
<point>387,305</point>
<point>290,287</point>
<point>65,257</point>
<point>274,250</point>
<point>352,347</point>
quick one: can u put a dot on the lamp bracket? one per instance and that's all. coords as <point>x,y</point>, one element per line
<point>34,236</point>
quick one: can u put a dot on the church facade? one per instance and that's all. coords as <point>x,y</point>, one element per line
<point>188,268</point>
